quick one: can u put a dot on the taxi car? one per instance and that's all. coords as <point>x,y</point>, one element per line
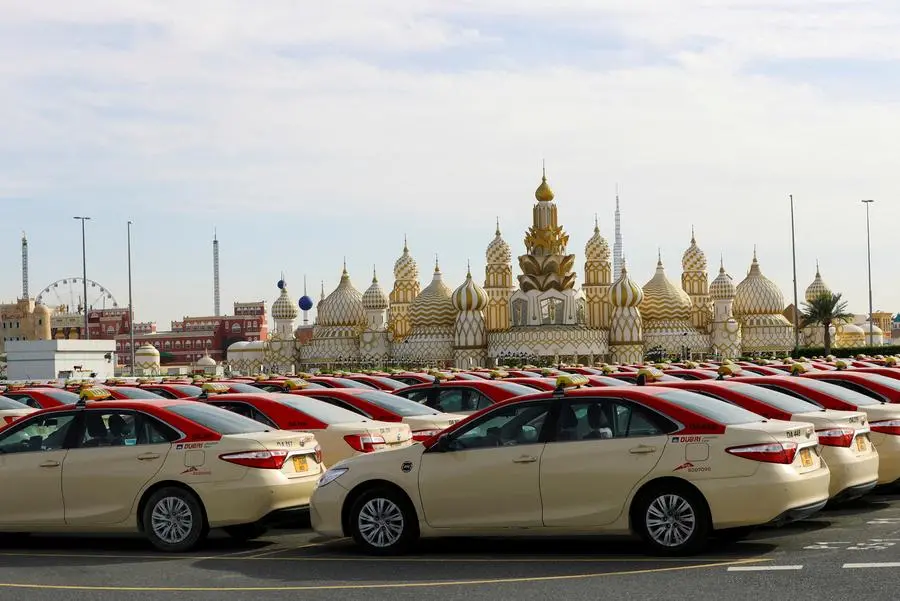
<point>11,410</point>
<point>379,405</point>
<point>338,382</point>
<point>844,435</point>
<point>169,470</point>
<point>378,382</point>
<point>462,396</point>
<point>340,432</point>
<point>668,465</point>
<point>285,385</point>
<point>878,387</point>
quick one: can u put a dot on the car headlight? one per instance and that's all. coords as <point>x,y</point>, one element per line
<point>332,475</point>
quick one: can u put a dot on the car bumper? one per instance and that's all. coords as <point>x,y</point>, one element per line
<point>850,471</point>
<point>269,498</point>
<point>775,492</point>
<point>326,508</point>
<point>888,447</point>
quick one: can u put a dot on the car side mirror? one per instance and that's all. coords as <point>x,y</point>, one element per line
<point>443,444</point>
<point>528,434</point>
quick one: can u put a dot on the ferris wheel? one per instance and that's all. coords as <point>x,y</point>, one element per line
<point>68,292</point>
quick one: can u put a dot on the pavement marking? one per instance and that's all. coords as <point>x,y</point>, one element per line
<point>445,583</point>
<point>762,568</point>
<point>858,566</point>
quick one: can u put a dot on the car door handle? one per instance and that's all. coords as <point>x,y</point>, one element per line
<point>50,463</point>
<point>148,456</point>
<point>642,450</point>
<point>525,459</point>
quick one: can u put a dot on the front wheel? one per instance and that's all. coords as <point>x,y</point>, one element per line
<point>383,523</point>
<point>173,520</point>
<point>672,520</point>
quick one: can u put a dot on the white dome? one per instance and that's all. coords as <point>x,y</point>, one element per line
<point>597,247</point>
<point>344,306</point>
<point>663,300</point>
<point>469,296</point>
<point>405,267</point>
<point>433,307</point>
<point>722,288</point>
<point>757,294</point>
<point>498,251</point>
<point>146,350</point>
<point>817,288</point>
<point>694,259</point>
<point>625,292</point>
<point>374,298</point>
<point>206,361</point>
<point>238,346</point>
<point>284,307</point>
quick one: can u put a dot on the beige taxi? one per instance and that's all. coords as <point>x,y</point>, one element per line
<point>11,411</point>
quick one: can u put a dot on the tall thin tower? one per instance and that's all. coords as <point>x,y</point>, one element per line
<point>216,300</point>
<point>617,245</point>
<point>24,266</point>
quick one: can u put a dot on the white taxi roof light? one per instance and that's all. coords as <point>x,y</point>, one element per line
<point>214,388</point>
<point>651,373</point>
<point>841,364</point>
<point>729,369</point>
<point>572,381</point>
<point>94,393</point>
<point>799,368</point>
<point>891,361</point>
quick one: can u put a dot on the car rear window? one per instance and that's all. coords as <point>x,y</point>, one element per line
<point>216,419</point>
<point>189,389</point>
<point>714,409</point>
<point>243,388</point>
<point>137,393</point>
<point>883,380</point>
<point>392,384</point>
<point>319,410</point>
<point>63,396</point>
<point>610,381</point>
<point>6,403</point>
<point>776,399</point>
<point>350,383</point>
<point>395,404</point>
<point>516,389</point>
<point>839,392</point>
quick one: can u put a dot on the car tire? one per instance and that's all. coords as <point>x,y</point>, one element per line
<point>672,519</point>
<point>245,532</point>
<point>383,522</point>
<point>173,520</point>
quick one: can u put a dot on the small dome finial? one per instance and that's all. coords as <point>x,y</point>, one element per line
<point>374,275</point>
<point>344,272</point>
<point>543,192</point>
<point>497,231</point>
<point>754,254</point>
<point>817,269</point>
<point>468,268</point>
<point>596,224</point>
<point>693,237</point>
<point>437,266</point>
<point>658,256</point>
<point>722,263</point>
<point>405,247</point>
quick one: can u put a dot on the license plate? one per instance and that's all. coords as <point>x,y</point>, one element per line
<point>300,463</point>
<point>861,442</point>
<point>806,459</point>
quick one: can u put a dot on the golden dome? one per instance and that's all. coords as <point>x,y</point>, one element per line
<point>543,192</point>
<point>284,308</point>
<point>343,307</point>
<point>625,292</point>
<point>817,288</point>
<point>694,259</point>
<point>498,251</point>
<point>597,248</point>
<point>405,268</point>
<point>433,307</point>
<point>374,298</point>
<point>663,300</point>
<point>757,294</point>
<point>470,296</point>
<point>722,288</point>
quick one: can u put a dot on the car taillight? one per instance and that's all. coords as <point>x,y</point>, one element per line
<point>364,443</point>
<point>836,437</point>
<point>891,426</point>
<point>318,451</point>
<point>267,460</point>
<point>777,452</point>
<point>423,435</point>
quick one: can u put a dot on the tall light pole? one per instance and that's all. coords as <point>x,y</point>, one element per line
<point>87,333</point>
<point>130,303</point>
<point>796,305</point>
<point>869,253</point>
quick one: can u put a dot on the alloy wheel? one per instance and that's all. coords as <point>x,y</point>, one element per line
<point>670,520</point>
<point>380,522</point>
<point>172,520</point>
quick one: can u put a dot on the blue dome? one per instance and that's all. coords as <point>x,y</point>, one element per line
<point>280,284</point>
<point>305,303</point>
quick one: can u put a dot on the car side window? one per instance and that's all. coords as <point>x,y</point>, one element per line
<point>342,405</point>
<point>153,431</point>
<point>856,388</point>
<point>510,425</point>
<point>248,411</point>
<point>47,433</point>
<point>24,399</point>
<point>451,400</point>
<point>163,393</point>
<point>476,401</point>
<point>417,396</point>
<point>600,419</point>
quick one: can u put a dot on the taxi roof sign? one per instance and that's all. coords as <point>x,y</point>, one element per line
<point>799,368</point>
<point>729,369</point>
<point>94,393</point>
<point>841,364</point>
<point>295,384</point>
<point>498,374</point>
<point>571,381</point>
<point>214,388</point>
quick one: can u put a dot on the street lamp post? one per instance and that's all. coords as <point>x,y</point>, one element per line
<point>130,303</point>
<point>869,254</point>
<point>87,333</point>
<point>794,257</point>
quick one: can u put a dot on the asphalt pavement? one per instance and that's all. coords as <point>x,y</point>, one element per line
<point>847,553</point>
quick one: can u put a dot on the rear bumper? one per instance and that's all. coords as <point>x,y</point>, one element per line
<point>850,471</point>
<point>854,492</point>
<point>267,497</point>
<point>797,513</point>
<point>286,516</point>
<point>888,447</point>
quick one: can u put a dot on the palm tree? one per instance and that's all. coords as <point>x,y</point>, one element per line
<point>825,310</point>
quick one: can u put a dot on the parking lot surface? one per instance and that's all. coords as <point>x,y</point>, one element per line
<point>839,554</point>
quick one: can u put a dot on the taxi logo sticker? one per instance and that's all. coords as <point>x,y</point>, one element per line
<point>691,468</point>
<point>406,467</point>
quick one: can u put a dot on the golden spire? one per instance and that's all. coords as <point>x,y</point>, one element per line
<point>374,275</point>
<point>693,238</point>
<point>437,267</point>
<point>596,224</point>
<point>405,247</point>
<point>497,231</point>
<point>543,192</point>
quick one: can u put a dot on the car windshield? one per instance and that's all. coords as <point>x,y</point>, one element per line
<point>136,393</point>
<point>243,388</point>
<point>714,409</point>
<point>319,410</point>
<point>344,382</point>
<point>776,399</point>
<point>10,404</point>
<point>609,381</point>
<point>883,380</point>
<point>188,389</point>
<point>63,396</point>
<point>391,384</point>
<point>216,419</point>
<point>395,404</point>
<point>839,392</point>
<point>516,389</point>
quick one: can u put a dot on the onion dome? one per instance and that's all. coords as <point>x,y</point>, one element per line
<point>283,308</point>
<point>206,361</point>
<point>405,267</point>
<point>543,192</point>
<point>433,307</point>
<point>663,300</point>
<point>625,292</point>
<point>498,251</point>
<point>876,331</point>
<point>240,345</point>
<point>146,351</point>
<point>694,259</point>
<point>374,298</point>
<point>722,288</point>
<point>817,288</point>
<point>757,294</point>
<point>343,307</point>
<point>470,296</point>
<point>597,248</point>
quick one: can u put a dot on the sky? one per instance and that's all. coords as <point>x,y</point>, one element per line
<point>304,134</point>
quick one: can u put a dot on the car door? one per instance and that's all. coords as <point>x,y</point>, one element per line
<point>32,454</point>
<point>601,450</point>
<point>486,474</point>
<point>116,454</point>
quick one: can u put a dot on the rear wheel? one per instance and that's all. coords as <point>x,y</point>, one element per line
<point>672,519</point>
<point>173,520</point>
<point>245,532</point>
<point>383,523</point>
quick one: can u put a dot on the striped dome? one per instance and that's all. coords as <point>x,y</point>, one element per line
<point>663,300</point>
<point>284,308</point>
<point>597,248</point>
<point>374,298</point>
<point>343,307</point>
<point>817,288</point>
<point>694,259</point>
<point>433,307</point>
<point>757,294</point>
<point>405,267</point>
<point>625,292</point>
<point>470,296</point>
<point>722,288</point>
<point>498,252</point>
